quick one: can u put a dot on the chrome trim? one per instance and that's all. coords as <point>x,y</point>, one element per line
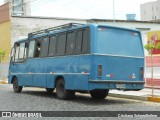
<point>117,55</point>
<point>116,81</point>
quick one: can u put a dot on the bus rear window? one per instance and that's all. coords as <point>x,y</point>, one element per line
<point>116,41</point>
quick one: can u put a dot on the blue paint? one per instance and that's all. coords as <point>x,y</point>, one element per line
<point>118,50</point>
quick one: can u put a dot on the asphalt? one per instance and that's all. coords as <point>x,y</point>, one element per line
<point>144,94</point>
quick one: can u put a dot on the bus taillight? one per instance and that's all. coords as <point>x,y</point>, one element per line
<point>141,72</point>
<point>99,70</point>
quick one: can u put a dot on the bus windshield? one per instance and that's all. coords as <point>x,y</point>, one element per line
<point>116,41</point>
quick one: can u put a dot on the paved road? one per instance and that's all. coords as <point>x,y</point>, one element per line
<point>36,99</point>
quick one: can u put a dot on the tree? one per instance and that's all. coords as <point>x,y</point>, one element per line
<point>149,47</point>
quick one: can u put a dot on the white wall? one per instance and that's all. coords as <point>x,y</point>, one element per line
<point>21,26</point>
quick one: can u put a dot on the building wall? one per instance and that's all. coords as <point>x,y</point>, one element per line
<point>150,11</point>
<point>4,13</point>
<point>5,37</point>
<point>30,24</point>
<point>5,31</point>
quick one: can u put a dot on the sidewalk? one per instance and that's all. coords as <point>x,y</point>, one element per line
<point>144,94</point>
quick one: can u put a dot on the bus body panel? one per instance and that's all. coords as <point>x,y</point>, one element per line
<point>81,69</point>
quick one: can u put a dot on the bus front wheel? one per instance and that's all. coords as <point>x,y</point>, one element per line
<point>61,92</point>
<point>99,94</point>
<point>16,87</point>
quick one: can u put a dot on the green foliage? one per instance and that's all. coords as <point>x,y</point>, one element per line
<point>151,46</point>
<point>2,54</point>
<point>157,45</point>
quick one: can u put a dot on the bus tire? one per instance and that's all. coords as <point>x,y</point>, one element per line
<point>49,90</point>
<point>61,92</point>
<point>99,94</point>
<point>16,87</point>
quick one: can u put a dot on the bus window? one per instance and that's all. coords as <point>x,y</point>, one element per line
<point>70,43</point>
<point>44,46</point>
<point>21,52</point>
<point>25,50</point>
<point>85,45</point>
<point>38,48</point>
<point>61,44</point>
<point>17,52</point>
<point>52,46</point>
<point>79,41</point>
<point>31,49</point>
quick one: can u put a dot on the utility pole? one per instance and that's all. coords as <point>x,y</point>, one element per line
<point>113,11</point>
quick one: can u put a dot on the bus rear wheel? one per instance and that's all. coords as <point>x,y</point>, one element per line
<point>61,92</point>
<point>99,94</point>
<point>49,90</point>
<point>16,87</point>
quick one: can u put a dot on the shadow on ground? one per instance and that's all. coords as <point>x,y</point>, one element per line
<point>79,98</point>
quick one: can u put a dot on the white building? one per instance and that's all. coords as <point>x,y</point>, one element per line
<point>19,7</point>
<point>150,11</point>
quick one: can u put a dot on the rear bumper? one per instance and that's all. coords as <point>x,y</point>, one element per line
<point>116,84</point>
<point>116,81</point>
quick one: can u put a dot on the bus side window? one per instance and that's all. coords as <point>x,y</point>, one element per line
<point>52,45</point>
<point>44,47</point>
<point>25,50</point>
<point>38,49</point>
<point>78,41</point>
<point>17,52</point>
<point>70,45</point>
<point>85,45</point>
<point>61,44</point>
<point>22,51</point>
<point>31,49</point>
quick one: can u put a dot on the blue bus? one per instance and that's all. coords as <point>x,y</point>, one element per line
<point>86,58</point>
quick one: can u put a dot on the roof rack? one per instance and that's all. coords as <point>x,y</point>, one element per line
<point>57,28</point>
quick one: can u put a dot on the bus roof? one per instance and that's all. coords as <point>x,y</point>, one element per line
<point>66,27</point>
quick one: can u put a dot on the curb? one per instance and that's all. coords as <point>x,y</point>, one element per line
<point>154,99</point>
<point>133,97</point>
<point>150,87</point>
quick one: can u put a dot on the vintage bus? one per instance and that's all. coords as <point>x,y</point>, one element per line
<point>86,58</point>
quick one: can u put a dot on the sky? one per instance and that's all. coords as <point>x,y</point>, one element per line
<point>86,9</point>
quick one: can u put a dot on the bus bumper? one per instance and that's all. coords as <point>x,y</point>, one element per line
<point>116,84</point>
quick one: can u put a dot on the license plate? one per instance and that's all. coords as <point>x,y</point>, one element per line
<point>120,86</point>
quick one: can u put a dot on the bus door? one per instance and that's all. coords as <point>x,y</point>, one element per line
<point>18,65</point>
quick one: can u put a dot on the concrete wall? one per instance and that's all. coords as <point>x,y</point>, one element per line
<point>21,26</point>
